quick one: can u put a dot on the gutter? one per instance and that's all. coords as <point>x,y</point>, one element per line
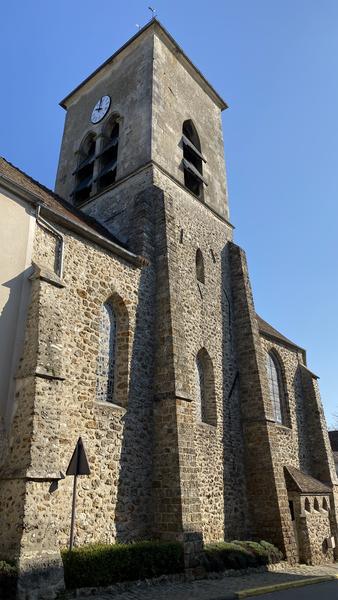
<point>68,223</point>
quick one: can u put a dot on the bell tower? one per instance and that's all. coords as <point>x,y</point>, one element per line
<point>146,108</point>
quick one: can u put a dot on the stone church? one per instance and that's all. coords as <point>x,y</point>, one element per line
<point>127,318</point>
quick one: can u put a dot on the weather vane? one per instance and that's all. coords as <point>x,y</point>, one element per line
<point>153,12</point>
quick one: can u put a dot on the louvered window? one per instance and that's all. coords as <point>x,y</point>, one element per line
<point>192,160</point>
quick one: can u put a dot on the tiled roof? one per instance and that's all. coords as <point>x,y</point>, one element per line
<point>297,481</point>
<point>53,201</point>
<point>333,435</point>
<point>267,329</point>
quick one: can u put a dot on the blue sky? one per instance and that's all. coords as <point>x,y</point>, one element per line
<point>275,62</point>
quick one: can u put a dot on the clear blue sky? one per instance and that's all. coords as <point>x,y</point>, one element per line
<point>276,64</point>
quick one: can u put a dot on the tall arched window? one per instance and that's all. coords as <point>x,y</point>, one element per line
<point>84,170</point>
<point>192,159</point>
<point>107,354</point>
<point>199,266</point>
<point>275,387</point>
<point>108,156</point>
<point>205,388</point>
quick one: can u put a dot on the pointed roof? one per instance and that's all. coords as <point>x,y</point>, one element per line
<point>174,46</point>
<point>297,481</point>
<point>266,329</point>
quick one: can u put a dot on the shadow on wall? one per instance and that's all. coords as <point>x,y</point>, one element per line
<point>304,443</point>
<point>133,514</point>
<point>12,324</point>
<point>235,509</point>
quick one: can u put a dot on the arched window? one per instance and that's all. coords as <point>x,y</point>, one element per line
<point>108,155</point>
<point>307,505</point>
<point>205,387</point>
<point>325,504</point>
<point>84,170</point>
<point>192,159</point>
<point>199,266</point>
<point>107,354</point>
<point>316,505</point>
<point>275,386</point>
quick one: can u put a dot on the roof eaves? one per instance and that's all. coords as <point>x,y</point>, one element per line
<point>296,480</point>
<point>272,333</point>
<point>88,232</point>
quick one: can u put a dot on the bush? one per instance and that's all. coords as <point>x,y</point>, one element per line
<point>101,564</point>
<point>8,578</point>
<point>240,555</point>
<point>275,555</point>
<point>8,569</point>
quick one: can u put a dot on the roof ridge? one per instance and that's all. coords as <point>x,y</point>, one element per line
<point>36,182</point>
<point>273,332</point>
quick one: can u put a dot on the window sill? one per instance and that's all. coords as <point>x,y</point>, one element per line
<point>283,427</point>
<point>111,406</point>
<point>207,426</point>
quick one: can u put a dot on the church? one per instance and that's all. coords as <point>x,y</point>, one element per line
<point>127,319</point>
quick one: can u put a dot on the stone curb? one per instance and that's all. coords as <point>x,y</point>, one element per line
<point>267,589</point>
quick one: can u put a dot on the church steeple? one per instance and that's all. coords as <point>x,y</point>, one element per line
<point>147,105</point>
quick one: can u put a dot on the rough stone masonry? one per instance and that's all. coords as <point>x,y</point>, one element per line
<point>137,331</point>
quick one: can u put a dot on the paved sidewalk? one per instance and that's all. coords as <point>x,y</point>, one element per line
<point>212,589</point>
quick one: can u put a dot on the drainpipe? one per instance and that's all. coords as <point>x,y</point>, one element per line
<point>48,227</point>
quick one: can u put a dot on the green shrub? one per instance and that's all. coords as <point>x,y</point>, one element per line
<point>101,564</point>
<point>8,569</point>
<point>8,578</point>
<point>240,555</point>
<point>275,555</point>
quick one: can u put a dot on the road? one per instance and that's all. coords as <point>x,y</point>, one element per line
<point>320,591</point>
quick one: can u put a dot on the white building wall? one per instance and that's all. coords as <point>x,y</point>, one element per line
<point>17,224</point>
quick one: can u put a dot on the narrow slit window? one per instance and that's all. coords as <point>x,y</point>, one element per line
<point>200,266</point>
<point>205,387</point>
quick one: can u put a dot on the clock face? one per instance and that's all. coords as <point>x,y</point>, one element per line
<point>100,109</point>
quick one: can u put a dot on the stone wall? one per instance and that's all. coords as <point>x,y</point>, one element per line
<point>303,442</point>
<point>313,525</point>
<point>57,404</point>
<point>200,317</point>
<point>267,495</point>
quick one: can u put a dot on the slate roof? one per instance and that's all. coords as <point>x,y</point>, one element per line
<point>297,481</point>
<point>267,329</point>
<point>333,435</point>
<point>51,200</point>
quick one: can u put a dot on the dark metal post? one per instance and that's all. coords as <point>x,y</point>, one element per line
<point>78,466</point>
<point>72,524</point>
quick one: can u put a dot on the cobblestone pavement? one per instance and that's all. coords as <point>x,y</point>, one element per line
<point>211,589</point>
